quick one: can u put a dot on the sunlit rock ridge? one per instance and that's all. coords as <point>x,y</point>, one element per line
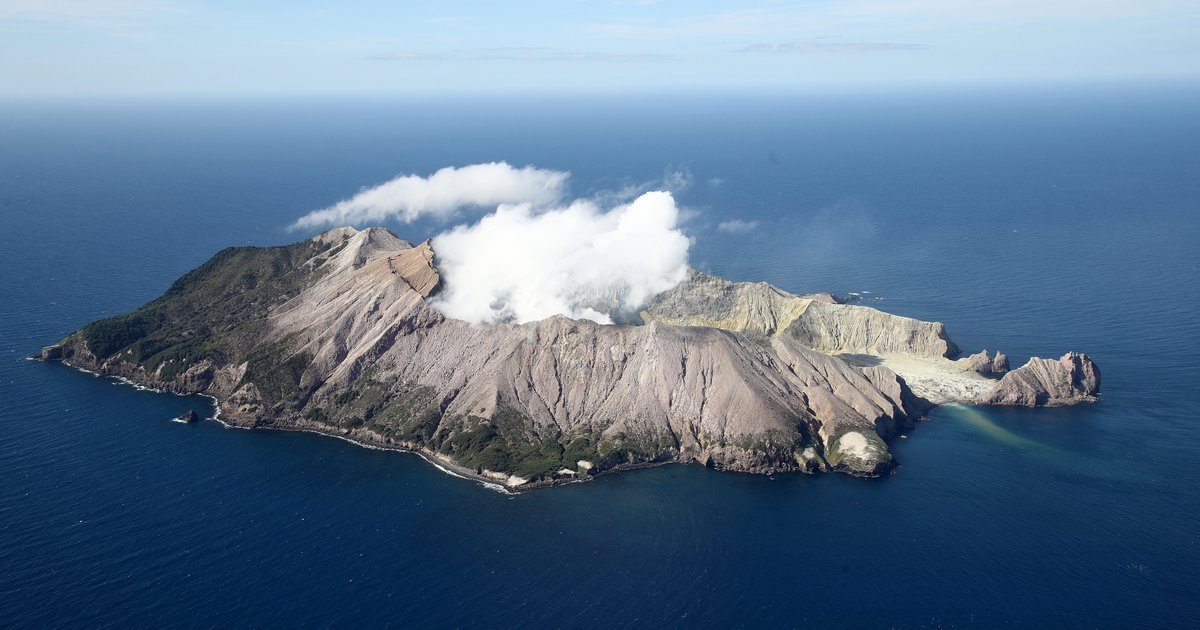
<point>338,335</point>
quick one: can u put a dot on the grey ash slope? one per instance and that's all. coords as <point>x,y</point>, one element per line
<point>336,335</point>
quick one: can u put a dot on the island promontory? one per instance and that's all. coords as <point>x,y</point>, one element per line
<point>337,335</point>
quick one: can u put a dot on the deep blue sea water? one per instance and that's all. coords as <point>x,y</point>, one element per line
<point>1035,221</point>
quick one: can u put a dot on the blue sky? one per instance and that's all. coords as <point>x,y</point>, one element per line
<point>102,47</point>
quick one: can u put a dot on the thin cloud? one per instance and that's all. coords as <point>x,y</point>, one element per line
<point>713,25</point>
<point>75,11</point>
<point>919,15</point>
<point>503,52</point>
<point>607,56</point>
<point>105,15</point>
<point>675,180</point>
<point>442,195</point>
<point>737,226</point>
<point>951,13</point>
<point>522,54</point>
<point>450,19</point>
<point>402,56</point>
<point>830,47</point>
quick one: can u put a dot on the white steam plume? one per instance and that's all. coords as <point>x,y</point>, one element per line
<point>582,261</point>
<point>409,197</point>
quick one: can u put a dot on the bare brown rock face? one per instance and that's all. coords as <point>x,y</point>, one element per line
<point>1000,363</point>
<point>1070,380</point>
<point>983,362</point>
<point>336,335</point>
<point>980,362</point>
<point>815,321</point>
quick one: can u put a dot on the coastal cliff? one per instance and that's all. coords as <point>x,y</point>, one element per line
<point>337,335</point>
<point>1072,379</point>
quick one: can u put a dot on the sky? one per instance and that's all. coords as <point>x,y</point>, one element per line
<point>137,47</point>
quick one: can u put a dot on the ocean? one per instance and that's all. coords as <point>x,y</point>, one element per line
<point>1032,220</point>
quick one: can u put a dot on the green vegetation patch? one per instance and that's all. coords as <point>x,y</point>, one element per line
<point>636,448</point>
<point>510,443</point>
<point>276,374</point>
<point>216,312</point>
<point>402,413</point>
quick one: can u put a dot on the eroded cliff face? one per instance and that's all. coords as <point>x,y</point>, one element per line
<point>1072,379</point>
<point>336,335</point>
<point>814,321</point>
<point>921,353</point>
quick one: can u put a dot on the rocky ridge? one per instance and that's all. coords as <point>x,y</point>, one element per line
<point>1072,379</point>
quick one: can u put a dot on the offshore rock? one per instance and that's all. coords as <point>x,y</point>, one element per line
<point>1000,363</point>
<point>983,362</point>
<point>980,362</point>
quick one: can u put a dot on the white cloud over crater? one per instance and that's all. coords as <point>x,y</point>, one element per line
<point>582,260</point>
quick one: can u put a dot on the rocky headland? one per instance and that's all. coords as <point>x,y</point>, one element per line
<point>337,335</point>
